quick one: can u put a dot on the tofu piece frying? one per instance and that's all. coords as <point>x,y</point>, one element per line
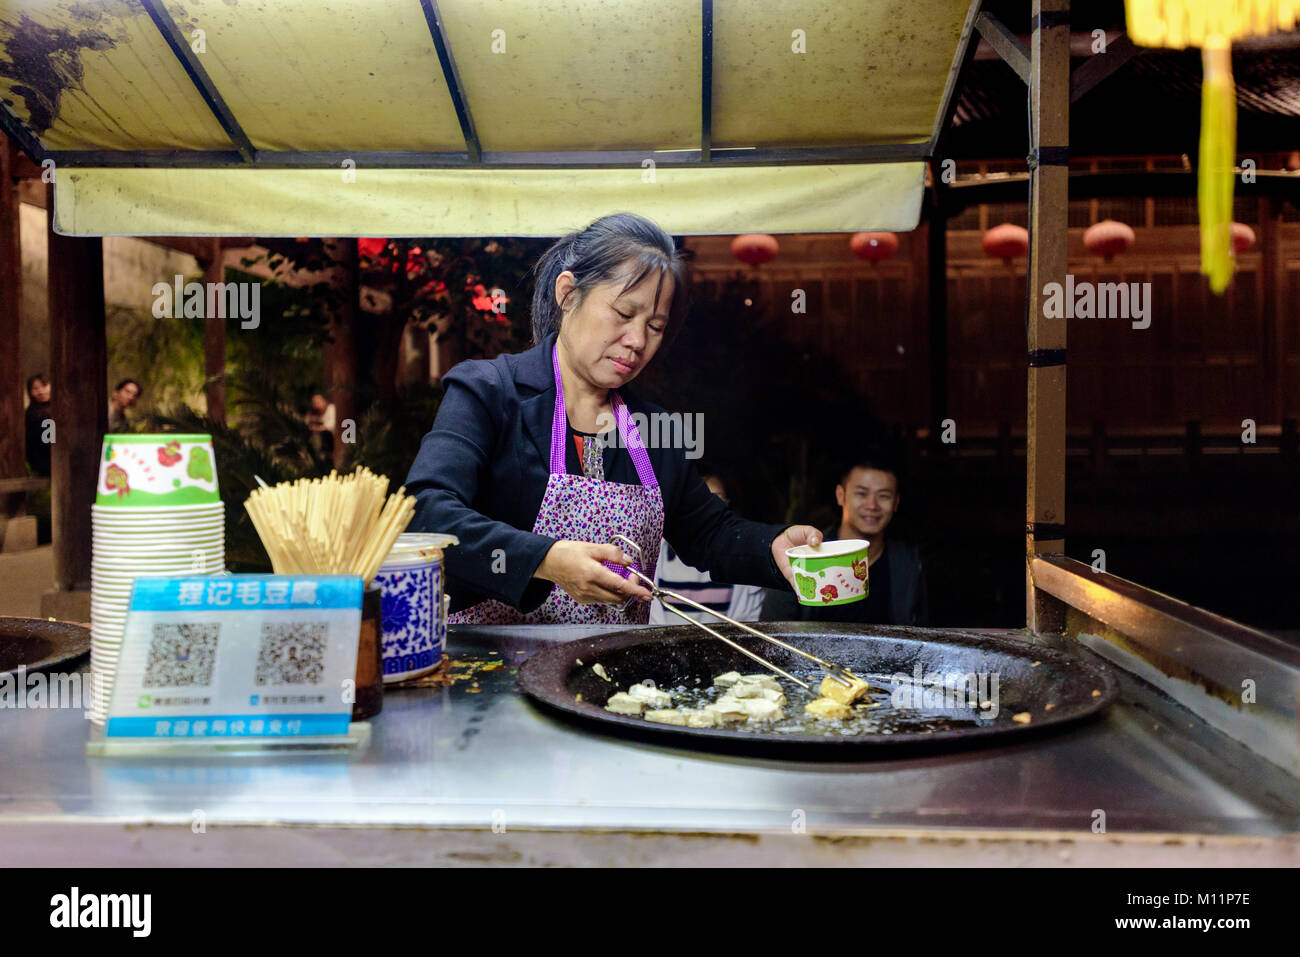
<point>622,703</point>
<point>653,697</point>
<point>701,719</point>
<point>762,680</point>
<point>830,688</point>
<point>760,709</point>
<point>727,680</point>
<point>745,690</point>
<point>828,708</point>
<point>683,717</point>
<point>727,710</point>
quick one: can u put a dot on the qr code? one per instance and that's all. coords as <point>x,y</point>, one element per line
<point>292,653</point>
<point>181,656</point>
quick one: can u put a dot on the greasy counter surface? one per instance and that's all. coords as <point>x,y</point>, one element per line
<point>478,755</point>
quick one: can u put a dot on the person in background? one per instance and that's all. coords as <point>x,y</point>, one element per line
<point>741,602</point>
<point>320,419</point>
<point>39,410</point>
<point>868,497</point>
<point>123,398</point>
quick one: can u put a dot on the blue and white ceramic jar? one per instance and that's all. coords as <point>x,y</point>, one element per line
<point>415,615</point>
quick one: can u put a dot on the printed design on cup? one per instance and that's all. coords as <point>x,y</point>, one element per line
<point>200,467</point>
<point>410,634</point>
<point>169,454</point>
<point>834,573</point>
<point>163,471</point>
<point>831,584</point>
<point>116,480</point>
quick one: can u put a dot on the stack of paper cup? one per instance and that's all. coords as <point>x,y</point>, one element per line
<point>156,513</point>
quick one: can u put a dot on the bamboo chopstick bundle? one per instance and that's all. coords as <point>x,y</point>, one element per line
<point>338,525</point>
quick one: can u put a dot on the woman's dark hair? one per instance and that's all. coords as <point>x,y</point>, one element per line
<point>126,382</point>
<point>595,255</point>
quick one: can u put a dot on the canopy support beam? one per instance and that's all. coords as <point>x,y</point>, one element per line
<point>1049,183</point>
<point>492,159</point>
<point>171,33</point>
<point>957,74</point>
<point>21,134</point>
<point>451,76</point>
<point>1009,46</point>
<point>1105,184</point>
<point>1097,67</point>
<point>706,83</point>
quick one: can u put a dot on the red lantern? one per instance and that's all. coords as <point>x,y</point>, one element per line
<point>1006,242</point>
<point>1109,239</point>
<point>874,247</point>
<point>755,249</point>
<point>1243,237</point>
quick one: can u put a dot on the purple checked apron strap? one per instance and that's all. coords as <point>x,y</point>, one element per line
<point>622,418</point>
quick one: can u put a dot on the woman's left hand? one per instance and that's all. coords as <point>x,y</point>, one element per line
<point>793,536</point>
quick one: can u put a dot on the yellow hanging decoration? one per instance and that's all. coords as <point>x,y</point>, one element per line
<point>1216,170</point>
<point>1212,25</point>
<point>1192,23</point>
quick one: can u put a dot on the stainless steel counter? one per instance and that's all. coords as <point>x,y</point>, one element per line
<point>455,776</point>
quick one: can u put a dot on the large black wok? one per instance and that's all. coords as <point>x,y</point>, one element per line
<point>1030,679</point>
<point>39,645</point>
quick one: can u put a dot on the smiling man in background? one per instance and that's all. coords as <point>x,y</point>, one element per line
<point>868,497</point>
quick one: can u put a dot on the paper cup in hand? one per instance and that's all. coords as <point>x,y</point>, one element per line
<point>832,573</point>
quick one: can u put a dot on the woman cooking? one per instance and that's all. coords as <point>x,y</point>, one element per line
<point>534,461</point>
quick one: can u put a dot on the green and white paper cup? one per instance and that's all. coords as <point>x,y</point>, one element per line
<point>151,471</point>
<point>833,573</point>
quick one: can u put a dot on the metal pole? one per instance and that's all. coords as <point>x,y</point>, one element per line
<point>1049,91</point>
<point>937,294</point>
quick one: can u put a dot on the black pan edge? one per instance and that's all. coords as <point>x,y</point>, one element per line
<point>544,679</point>
<point>53,643</point>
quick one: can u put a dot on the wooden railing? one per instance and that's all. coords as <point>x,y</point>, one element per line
<point>1104,448</point>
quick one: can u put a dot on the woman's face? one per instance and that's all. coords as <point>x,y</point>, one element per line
<point>610,337</point>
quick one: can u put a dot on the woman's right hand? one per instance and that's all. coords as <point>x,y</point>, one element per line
<point>576,567</point>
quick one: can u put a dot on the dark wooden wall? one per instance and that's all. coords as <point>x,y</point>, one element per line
<point>1212,359</point>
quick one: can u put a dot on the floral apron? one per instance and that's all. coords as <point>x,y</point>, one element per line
<point>583,509</point>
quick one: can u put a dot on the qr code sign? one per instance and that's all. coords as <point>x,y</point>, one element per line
<point>292,653</point>
<point>181,656</point>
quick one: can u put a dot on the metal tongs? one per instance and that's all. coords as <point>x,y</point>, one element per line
<point>837,672</point>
